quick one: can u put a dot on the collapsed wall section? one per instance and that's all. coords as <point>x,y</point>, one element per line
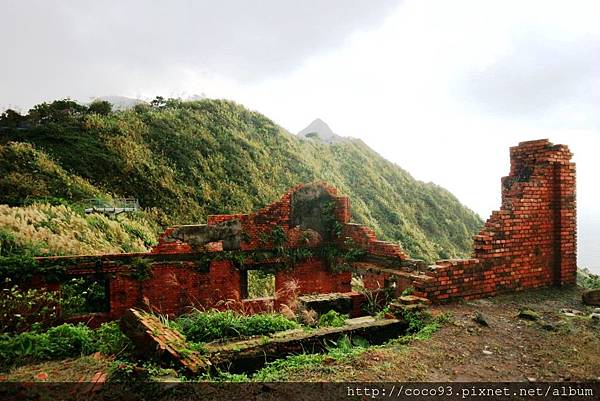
<point>530,242</point>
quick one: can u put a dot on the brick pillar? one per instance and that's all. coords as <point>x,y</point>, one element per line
<point>553,182</point>
<point>566,220</point>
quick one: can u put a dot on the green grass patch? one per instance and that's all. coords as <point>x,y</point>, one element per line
<point>216,325</point>
<point>64,341</point>
<point>421,326</point>
<point>587,279</point>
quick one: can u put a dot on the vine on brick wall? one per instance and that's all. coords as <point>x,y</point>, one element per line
<point>21,269</point>
<point>331,223</point>
<point>141,269</point>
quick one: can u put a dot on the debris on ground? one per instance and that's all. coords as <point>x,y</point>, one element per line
<point>481,319</point>
<point>529,314</point>
<point>591,297</point>
<point>153,340</point>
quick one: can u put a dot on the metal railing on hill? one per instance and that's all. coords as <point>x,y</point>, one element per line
<point>113,206</point>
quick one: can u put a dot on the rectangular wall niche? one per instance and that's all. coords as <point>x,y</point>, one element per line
<point>258,283</point>
<point>82,295</point>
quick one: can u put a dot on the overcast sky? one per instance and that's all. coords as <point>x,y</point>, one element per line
<point>442,88</point>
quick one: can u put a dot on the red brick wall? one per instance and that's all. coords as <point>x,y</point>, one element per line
<point>313,276</point>
<point>174,288</point>
<point>530,242</point>
<point>364,238</point>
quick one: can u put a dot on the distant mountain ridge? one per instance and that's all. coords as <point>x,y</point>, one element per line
<point>184,160</point>
<point>120,102</point>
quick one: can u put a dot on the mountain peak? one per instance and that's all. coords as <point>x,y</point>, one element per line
<point>319,129</point>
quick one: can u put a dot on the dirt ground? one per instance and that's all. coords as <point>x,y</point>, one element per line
<point>555,347</point>
<point>90,368</point>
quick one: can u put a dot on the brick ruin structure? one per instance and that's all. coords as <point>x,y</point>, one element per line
<point>530,242</point>
<point>306,237</point>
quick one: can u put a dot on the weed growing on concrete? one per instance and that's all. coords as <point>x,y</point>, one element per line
<point>332,319</point>
<point>216,325</point>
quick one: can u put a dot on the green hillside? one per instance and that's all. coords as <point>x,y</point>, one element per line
<point>185,160</point>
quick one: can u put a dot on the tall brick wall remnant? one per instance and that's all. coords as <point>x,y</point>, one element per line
<point>530,242</point>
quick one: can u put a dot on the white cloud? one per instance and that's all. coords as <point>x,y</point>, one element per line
<point>441,88</point>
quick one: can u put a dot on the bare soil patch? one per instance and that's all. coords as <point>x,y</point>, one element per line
<point>555,347</point>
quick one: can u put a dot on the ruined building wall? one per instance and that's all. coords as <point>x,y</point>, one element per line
<point>530,242</point>
<point>181,277</point>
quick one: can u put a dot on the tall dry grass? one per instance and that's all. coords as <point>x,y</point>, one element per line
<point>61,230</point>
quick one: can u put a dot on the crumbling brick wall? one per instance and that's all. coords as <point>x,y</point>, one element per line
<point>305,217</point>
<point>530,242</point>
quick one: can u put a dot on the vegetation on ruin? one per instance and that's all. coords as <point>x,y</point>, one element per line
<point>24,309</point>
<point>344,350</point>
<point>185,160</point>
<point>332,319</point>
<point>206,326</point>
<point>261,284</point>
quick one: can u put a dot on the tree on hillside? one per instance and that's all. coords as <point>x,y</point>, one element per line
<point>11,119</point>
<point>101,107</point>
<point>57,111</point>
<point>159,102</point>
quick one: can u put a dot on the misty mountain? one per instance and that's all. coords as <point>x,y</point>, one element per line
<point>319,130</point>
<point>120,102</point>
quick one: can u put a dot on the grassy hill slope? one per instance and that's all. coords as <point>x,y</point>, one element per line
<point>185,160</point>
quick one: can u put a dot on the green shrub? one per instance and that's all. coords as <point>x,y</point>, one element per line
<point>587,279</point>
<point>83,295</point>
<point>215,325</point>
<point>346,347</point>
<point>58,342</point>
<point>332,319</point>
<point>8,244</point>
<point>110,340</point>
<point>121,371</point>
<point>68,340</point>
<point>408,291</point>
<point>21,310</point>
<point>101,107</point>
<point>64,341</point>
<point>416,321</point>
<point>261,284</point>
